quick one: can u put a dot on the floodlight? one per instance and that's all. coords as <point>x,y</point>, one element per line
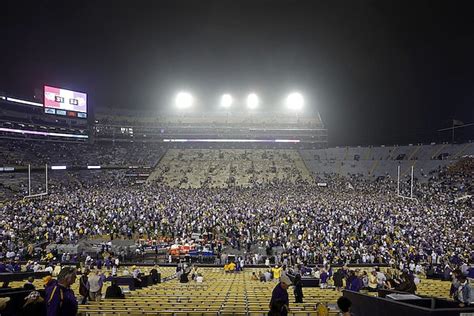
<point>226,100</point>
<point>295,101</point>
<point>184,100</point>
<point>252,101</point>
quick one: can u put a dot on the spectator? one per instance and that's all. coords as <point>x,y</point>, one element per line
<point>407,283</point>
<point>323,277</point>
<point>155,275</point>
<point>373,286</point>
<point>453,291</point>
<point>49,269</point>
<point>277,308</point>
<point>199,278</point>
<point>114,291</point>
<point>47,280</point>
<point>94,286</point>
<point>36,267</point>
<point>137,274</point>
<point>465,293</point>
<point>353,282</point>
<point>268,276</point>
<point>298,289</point>
<point>279,301</point>
<point>365,280</point>
<point>276,271</point>
<point>254,276</point>
<point>84,286</point>
<point>60,299</point>
<point>231,266</point>
<point>380,278</point>
<point>56,270</point>
<point>29,284</point>
<point>338,278</point>
<point>34,305</point>
<point>184,277</point>
<point>344,304</point>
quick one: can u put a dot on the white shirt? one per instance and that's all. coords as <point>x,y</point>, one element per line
<point>381,278</point>
<point>94,283</point>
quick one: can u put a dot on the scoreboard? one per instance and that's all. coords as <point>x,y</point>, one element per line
<point>64,102</point>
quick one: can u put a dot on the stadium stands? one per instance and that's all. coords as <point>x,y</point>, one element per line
<point>219,294</point>
<point>38,153</point>
<point>373,162</point>
<point>195,168</point>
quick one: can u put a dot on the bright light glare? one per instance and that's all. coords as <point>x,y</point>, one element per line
<point>23,101</point>
<point>184,100</point>
<point>252,101</point>
<point>58,167</point>
<point>295,101</point>
<point>226,100</point>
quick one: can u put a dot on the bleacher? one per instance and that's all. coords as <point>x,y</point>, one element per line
<point>39,153</point>
<point>381,161</point>
<point>219,294</point>
<point>194,168</point>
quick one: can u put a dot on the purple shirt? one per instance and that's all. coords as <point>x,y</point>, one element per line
<point>60,301</point>
<point>324,277</point>
<point>281,295</point>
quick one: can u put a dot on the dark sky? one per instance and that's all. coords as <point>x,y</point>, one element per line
<point>379,72</point>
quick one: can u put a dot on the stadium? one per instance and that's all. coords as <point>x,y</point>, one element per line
<point>226,201</point>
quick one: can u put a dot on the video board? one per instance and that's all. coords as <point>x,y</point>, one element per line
<point>64,102</point>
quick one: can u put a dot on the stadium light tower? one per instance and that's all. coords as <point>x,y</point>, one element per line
<point>295,101</point>
<point>226,100</point>
<point>184,100</point>
<point>252,101</point>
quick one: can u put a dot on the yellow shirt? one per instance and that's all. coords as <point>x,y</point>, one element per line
<point>276,272</point>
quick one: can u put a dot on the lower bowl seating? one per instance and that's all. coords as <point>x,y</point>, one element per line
<point>219,294</point>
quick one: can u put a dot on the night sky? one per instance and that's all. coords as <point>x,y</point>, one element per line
<point>379,72</point>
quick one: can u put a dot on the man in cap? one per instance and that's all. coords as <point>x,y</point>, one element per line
<point>60,299</point>
<point>279,302</point>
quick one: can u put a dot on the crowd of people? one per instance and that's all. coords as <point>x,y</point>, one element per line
<point>292,225</point>
<point>355,280</point>
<point>350,220</point>
<point>59,299</point>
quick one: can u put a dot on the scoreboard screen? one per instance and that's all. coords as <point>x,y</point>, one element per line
<point>65,102</point>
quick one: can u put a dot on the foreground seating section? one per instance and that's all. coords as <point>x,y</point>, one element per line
<point>219,294</point>
<point>224,294</point>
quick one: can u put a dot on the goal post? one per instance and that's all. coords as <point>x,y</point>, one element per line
<point>411,185</point>
<point>30,195</point>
